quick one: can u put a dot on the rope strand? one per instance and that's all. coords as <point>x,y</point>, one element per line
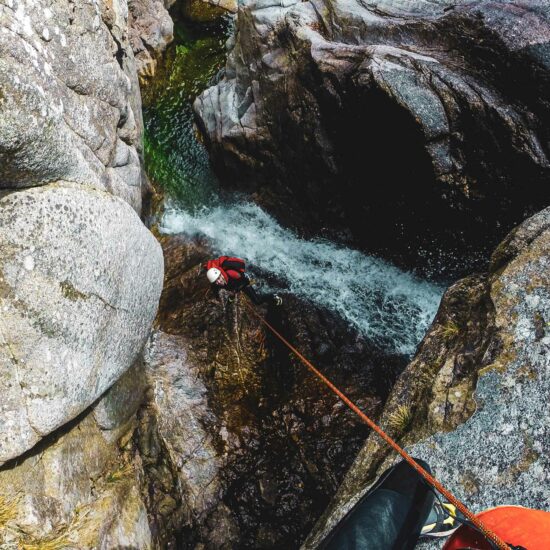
<point>490,535</point>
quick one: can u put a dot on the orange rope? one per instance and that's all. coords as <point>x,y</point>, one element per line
<point>410,460</point>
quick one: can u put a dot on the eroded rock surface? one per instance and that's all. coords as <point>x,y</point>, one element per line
<point>491,446</point>
<point>338,112</point>
<point>230,6</point>
<point>70,108</point>
<point>80,278</point>
<point>80,487</point>
<point>151,30</point>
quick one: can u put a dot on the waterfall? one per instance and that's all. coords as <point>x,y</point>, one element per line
<point>391,307</point>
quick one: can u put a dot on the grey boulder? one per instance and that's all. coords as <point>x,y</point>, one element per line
<point>70,107</point>
<point>336,112</point>
<point>80,279</point>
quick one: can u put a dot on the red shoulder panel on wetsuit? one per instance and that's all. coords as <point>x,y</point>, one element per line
<point>233,274</point>
<point>233,263</point>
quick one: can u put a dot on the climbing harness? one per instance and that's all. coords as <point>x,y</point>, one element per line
<point>493,537</point>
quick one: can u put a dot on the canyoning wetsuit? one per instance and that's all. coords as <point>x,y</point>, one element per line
<point>233,271</point>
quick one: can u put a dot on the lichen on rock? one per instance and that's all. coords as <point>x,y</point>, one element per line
<point>80,277</point>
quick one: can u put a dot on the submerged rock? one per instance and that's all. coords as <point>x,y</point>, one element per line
<point>207,11</point>
<point>412,125</point>
<point>489,446</point>
<point>80,278</point>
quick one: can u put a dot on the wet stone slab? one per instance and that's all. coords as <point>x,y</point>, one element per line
<point>281,441</point>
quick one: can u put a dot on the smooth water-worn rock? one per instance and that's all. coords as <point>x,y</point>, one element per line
<point>489,446</point>
<point>80,278</point>
<point>150,31</point>
<point>179,451</point>
<point>119,403</point>
<point>412,125</point>
<point>70,108</point>
<point>80,487</point>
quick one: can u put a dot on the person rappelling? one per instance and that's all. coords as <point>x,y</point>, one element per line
<point>229,273</point>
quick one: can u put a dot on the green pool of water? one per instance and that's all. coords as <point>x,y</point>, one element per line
<point>175,161</point>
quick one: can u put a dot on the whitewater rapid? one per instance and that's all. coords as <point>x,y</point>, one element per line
<point>390,307</point>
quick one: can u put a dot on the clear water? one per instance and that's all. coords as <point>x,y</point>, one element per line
<point>175,160</point>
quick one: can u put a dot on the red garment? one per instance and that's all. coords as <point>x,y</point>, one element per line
<point>513,524</point>
<point>231,268</point>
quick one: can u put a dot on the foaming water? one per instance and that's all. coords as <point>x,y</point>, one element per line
<point>391,307</point>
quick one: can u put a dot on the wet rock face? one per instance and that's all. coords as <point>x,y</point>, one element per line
<point>274,442</point>
<point>80,278</point>
<point>431,110</point>
<point>180,457</point>
<point>70,107</point>
<point>477,391</point>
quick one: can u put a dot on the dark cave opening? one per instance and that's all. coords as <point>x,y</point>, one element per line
<point>389,197</point>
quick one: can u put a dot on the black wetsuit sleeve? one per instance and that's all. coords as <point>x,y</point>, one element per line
<point>253,295</point>
<point>215,290</point>
<point>233,284</point>
<point>239,283</point>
